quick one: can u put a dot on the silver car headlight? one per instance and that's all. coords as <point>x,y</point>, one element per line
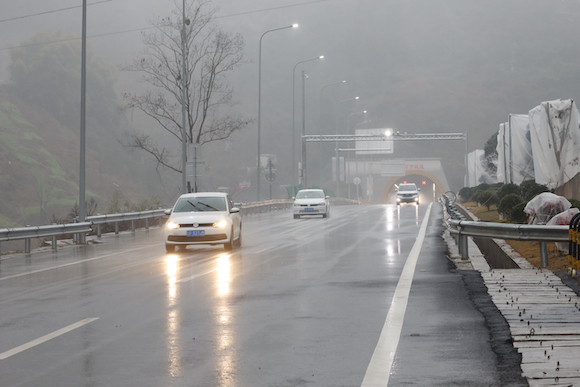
<point>172,225</point>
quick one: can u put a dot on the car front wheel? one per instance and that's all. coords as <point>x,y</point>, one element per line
<point>169,248</point>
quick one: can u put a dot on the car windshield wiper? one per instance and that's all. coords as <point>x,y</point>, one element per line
<point>208,206</point>
<point>194,206</point>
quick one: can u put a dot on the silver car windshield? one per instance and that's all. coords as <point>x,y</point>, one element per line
<point>200,204</point>
<point>310,195</point>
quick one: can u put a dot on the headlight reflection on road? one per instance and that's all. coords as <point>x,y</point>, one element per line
<point>173,343</point>
<point>390,223</point>
<point>225,333</point>
<point>223,273</point>
<point>393,248</point>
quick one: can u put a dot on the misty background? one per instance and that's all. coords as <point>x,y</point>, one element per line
<point>418,66</point>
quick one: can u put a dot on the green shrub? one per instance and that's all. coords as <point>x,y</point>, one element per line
<point>530,189</point>
<point>508,202</point>
<point>517,214</point>
<point>507,189</point>
<point>486,198</point>
<point>574,202</point>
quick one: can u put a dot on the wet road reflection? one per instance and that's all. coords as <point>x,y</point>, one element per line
<point>225,334</point>
<point>174,349</point>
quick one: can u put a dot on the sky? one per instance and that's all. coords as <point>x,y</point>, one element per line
<point>416,65</point>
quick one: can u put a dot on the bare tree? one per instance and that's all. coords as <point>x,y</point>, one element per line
<point>210,55</point>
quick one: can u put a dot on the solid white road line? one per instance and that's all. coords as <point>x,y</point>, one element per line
<point>379,369</point>
<point>45,338</point>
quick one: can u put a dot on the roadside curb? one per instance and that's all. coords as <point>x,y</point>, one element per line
<point>542,312</point>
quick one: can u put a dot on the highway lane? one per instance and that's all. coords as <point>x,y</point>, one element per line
<point>302,302</point>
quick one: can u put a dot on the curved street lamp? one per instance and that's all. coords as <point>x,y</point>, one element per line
<point>294,110</point>
<point>260,101</point>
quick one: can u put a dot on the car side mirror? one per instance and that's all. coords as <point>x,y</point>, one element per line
<point>293,197</point>
<point>234,210</point>
<point>327,197</point>
<point>418,189</point>
<point>167,212</point>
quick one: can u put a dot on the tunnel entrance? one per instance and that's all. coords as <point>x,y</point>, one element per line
<point>430,187</point>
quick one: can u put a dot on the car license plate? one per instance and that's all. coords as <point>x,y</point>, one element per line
<point>309,209</point>
<point>194,233</point>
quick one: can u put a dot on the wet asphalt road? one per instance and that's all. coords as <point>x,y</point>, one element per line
<point>303,302</point>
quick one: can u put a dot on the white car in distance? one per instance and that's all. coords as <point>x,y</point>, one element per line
<point>203,218</point>
<point>311,202</point>
<point>408,193</point>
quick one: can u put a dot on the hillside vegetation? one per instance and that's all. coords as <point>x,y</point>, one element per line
<point>39,168</point>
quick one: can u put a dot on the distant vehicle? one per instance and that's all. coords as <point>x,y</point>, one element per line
<point>311,202</point>
<point>203,218</point>
<point>408,193</point>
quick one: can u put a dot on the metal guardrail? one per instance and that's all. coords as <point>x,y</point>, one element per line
<point>281,204</point>
<point>461,229</point>
<point>76,229</point>
<point>55,230</point>
<point>99,220</point>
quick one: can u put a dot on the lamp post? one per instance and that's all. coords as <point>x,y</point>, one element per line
<point>320,126</point>
<point>260,102</point>
<point>293,112</point>
<point>82,167</point>
<point>336,145</point>
<point>183,113</point>
<point>348,131</point>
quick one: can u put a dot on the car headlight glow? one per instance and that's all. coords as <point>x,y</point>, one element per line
<point>172,225</point>
<point>220,223</point>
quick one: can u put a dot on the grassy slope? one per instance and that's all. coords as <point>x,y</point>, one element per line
<point>39,163</point>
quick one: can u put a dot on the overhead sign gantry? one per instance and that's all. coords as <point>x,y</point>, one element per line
<point>388,135</point>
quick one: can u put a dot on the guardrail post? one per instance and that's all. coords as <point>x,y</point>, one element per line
<point>146,223</point>
<point>544,253</point>
<point>116,228</point>
<point>463,246</point>
<point>27,245</point>
<point>54,242</point>
<point>99,230</point>
<point>132,226</point>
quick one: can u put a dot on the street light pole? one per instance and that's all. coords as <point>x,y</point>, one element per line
<point>82,167</point>
<point>336,146</point>
<point>347,172</point>
<point>294,113</point>
<point>320,126</point>
<point>183,113</point>
<point>260,103</point>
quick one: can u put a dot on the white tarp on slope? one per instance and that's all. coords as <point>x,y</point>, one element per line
<point>477,171</point>
<point>555,138</point>
<point>502,148</point>
<point>515,163</point>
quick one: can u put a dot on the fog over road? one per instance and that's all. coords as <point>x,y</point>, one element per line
<point>302,302</point>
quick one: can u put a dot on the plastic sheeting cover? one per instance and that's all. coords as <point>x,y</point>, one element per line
<point>555,138</point>
<point>515,162</point>
<point>545,206</point>
<point>563,219</point>
<point>477,171</point>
